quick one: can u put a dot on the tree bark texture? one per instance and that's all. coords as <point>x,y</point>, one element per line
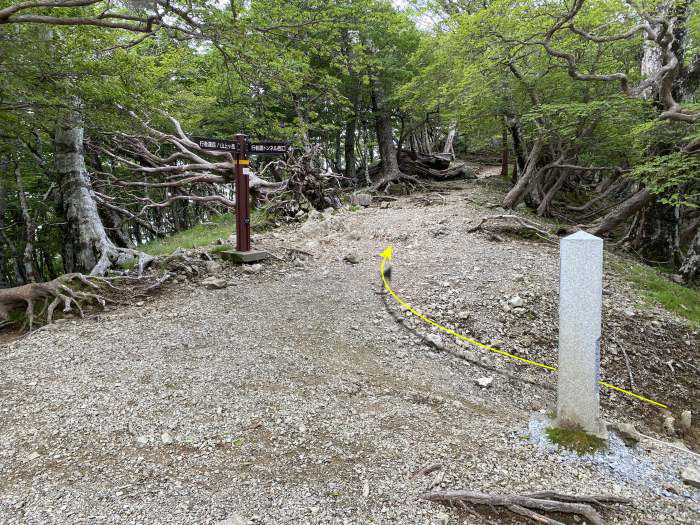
<point>690,268</point>
<point>85,240</point>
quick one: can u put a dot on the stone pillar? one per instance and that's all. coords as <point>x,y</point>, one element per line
<point>580,305</point>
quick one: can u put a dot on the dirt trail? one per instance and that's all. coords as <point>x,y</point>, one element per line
<point>294,395</point>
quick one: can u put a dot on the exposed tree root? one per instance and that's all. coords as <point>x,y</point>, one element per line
<point>522,224</point>
<point>40,300</point>
<point>529,505</point>
<point>52,293</point>
<point>392,178</point>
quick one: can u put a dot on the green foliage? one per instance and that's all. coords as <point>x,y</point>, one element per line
<point>576,440</point>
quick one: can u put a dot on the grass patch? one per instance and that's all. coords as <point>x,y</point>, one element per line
<point>220,227</point>
<point>129,264</point>
<point>575,439</point>
<point>656,288</point>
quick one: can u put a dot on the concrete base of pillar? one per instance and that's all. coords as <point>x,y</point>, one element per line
<point>249,257</point>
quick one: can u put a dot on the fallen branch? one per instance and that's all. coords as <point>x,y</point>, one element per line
<point>528,505</point>
<point>524,223</point>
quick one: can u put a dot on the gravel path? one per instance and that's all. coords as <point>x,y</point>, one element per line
<point>294,395</point>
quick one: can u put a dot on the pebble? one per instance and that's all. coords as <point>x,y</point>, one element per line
<point>436,341</point>
<point>516,301</point>
<point>214,283</point>
<point>691,476</point>
<point>484,382</point>
<point>252,268</point>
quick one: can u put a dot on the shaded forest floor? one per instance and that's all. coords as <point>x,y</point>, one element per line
<point>295,395</point>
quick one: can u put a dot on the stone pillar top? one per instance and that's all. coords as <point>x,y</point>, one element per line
<point>581,236</point>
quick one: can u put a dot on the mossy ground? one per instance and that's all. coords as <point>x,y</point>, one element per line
<point>575,439</point>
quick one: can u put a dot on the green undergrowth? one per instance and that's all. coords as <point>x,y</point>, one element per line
<point>656,288</point>
<point>220,227</point>
<point>576,440</point>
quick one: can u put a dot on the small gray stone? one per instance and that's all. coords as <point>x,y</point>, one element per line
<point>484,382</point>
<point>691,476</point>
<point>253,268</point>
<point>685,422</point>
<point>351,258</point>
<point>234,519</point>
<point>628,433</point>
<point>213,267</point>
<point>214,283</point>
<point>166,438</point>
<point>361,199</point>
<point>516,301</point>
<point>436,341</point>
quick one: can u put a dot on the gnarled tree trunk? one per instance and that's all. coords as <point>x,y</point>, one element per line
<point>86,246</point>
<point>691,263</point>
<point>522,186</point>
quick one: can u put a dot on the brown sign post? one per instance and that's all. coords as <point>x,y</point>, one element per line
<point>239,149</point>
<point>241,171</point>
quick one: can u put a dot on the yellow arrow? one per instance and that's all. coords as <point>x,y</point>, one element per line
<point>386,254</point>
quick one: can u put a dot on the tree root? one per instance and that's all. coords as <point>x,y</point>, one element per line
<point>523,224</point>
<point>52,293</point>
<point>528,505</point>
<point>60,291</point>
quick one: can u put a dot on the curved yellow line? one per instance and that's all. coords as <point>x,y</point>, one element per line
<point>494,349</point>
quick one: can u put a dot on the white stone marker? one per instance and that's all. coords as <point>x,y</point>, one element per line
<point>580,305</point>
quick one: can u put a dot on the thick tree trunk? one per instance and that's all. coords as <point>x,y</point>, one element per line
<point>690,268</point>
<point>385,131</point>
<point>626,210</point>
<point>86,246</point>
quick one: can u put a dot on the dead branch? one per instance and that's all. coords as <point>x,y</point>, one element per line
<point>523,223</point>
<point>528,505</point>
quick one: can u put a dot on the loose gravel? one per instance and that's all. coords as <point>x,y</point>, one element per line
<point>302,394</point>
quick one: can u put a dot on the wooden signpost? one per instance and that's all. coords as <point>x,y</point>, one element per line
<point>241,148</point>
